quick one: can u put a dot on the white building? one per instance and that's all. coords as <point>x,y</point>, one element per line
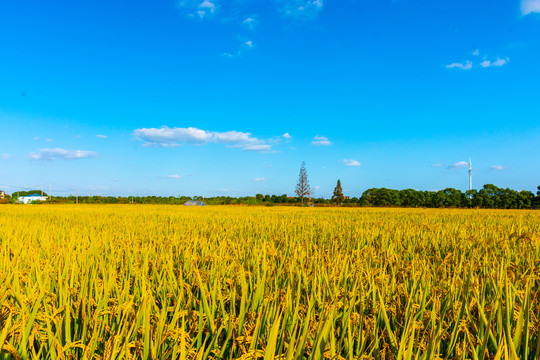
<point>2,194</point>
<point>31,198</point>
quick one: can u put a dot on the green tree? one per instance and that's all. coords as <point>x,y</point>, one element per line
<point>338,197</point>
<point>303,189</point>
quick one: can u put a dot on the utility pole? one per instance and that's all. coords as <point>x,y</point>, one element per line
<point>77,198</point>
<point>470,174</point>
<point>50,191</point>
<point>41,189</point>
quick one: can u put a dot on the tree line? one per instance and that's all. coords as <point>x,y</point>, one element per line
<point>489,197</point>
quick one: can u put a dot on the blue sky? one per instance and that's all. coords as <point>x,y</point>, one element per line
<point>227,97</point>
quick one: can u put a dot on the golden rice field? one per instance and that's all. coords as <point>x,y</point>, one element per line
<point>173,282</point>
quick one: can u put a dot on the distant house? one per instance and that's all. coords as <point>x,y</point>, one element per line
<point>2,194</point>
<point>31,198</point>
<point>194,203</point>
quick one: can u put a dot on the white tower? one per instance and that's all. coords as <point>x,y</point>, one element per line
<point>470,174</point>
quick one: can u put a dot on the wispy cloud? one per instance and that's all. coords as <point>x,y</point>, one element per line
<point>320,141</point>
<point>258,148</point>
<point>101,136</point>
<point>54,154</point>
<point>231,10</point>
<point>467,65</point>
<point>458,165</point>
<point>173,176</point>
<point>5,156</point>
<point>437,165</point>
<point>498,62</point>
<point>49,140</point>
<point>249,23</point>
<point>245,46</point>
<point>530,6</point>
<point>351,162</point>
<point>498,167</point>
<point>283,138</point>
<point>197,8</point>
<point>260,179</point>
<point>172,137</point>
<point>301,9</point>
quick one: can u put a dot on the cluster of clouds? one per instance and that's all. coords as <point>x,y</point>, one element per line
<point>235,12</point>
<point>176,136</point>
<point>207,9</point>
<point>306,9</point>
<point>484,63</point>
<point>465,164</point>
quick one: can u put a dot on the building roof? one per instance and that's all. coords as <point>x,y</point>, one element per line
<point>194,203</point>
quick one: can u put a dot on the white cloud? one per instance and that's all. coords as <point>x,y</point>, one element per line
<point>101,136</point>
<point>231,137</point>
<point>260,179</point>
<point>530,6</point>
<point>301,9</point>
<point>5,156</point>
<point>245,46</point>
<point>498,167</point>
<point>351,162</point>
<point>54,154</point>
<point>437,165</point>
<point>463,66</point>
<point>36,137</point>
<point>260,148</point>
<point>459,164</point>
<point>208,5</point>
<point>249,23</point>
<point>174,176</point>
<point>49,140</point>
<point>197,8</point>
<point>172,137</point>
<point>278,139</point>
<point>320,141</point>
<point>476,52</point>
<point>498,62</point>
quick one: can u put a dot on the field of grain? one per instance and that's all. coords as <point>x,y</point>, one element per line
<point>171,282</point>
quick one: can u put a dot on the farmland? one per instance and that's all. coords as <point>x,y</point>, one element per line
<point>161,282</point>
